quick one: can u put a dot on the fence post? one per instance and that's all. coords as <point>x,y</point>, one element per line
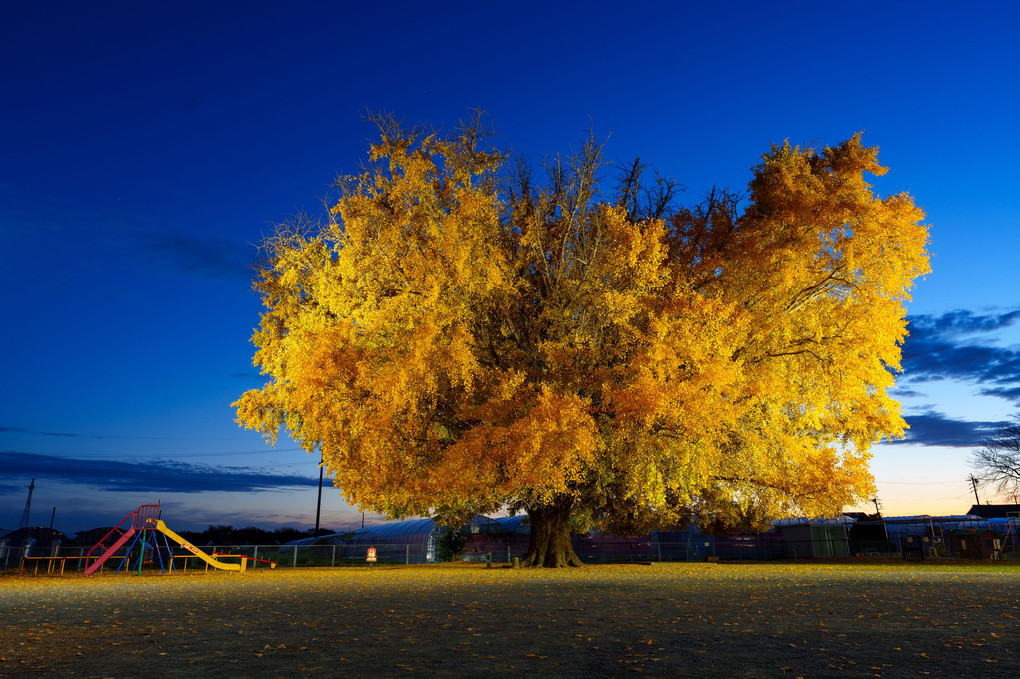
<point>332,559</point>
<point>407,555</point>
<point>294,564</point>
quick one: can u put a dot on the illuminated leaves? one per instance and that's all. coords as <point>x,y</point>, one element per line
<point>454,343</point>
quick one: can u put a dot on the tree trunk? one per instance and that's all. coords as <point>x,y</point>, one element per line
<point>550,536</point>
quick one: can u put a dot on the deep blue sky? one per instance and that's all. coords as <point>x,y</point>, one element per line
<point>147,147</point>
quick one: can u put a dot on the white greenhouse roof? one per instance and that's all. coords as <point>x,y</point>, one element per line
<point>399,528</point>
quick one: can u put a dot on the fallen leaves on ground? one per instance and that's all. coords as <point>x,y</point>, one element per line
<point>723,619</point>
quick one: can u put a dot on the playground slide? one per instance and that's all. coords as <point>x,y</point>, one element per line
<point>94,566</point>
<point>161,527</point>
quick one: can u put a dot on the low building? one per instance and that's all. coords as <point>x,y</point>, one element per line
<point>995,511</point>
<point>977,544</point>
<point>28,542</point>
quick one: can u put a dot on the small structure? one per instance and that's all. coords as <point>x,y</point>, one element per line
<point>914,547</point>
<point>982,545</point>
<point>870,537</point>
<point>815,539</point>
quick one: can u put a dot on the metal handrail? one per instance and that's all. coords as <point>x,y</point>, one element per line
<point>139,519</point>
<point>131,516</point>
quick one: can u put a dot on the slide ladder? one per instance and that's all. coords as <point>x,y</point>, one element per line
<point>138,520</point>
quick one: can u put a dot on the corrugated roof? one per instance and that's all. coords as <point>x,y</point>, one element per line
<point>399,528</point>
<point>425,526</point>
<point>300,542</point>
<point>512,524</point>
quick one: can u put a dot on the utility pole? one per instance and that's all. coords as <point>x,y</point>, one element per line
<point>974,483</point>
<point>318,505</point>
<point>878,514</point>
<point>28,506</point>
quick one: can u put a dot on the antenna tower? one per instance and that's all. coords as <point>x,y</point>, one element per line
<point>28,506</point>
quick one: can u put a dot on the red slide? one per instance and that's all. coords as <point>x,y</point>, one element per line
<point>94,566</point>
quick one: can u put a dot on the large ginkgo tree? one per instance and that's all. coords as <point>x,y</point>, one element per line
<point>462,334</point>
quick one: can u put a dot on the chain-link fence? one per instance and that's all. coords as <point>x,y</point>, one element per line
<point>419,549</point>
<point>166,555</point>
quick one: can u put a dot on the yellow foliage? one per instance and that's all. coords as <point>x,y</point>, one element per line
<point>452,343</point>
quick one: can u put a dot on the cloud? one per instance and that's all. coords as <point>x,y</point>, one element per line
<point>1010,394</point>
<point>10,487</point>
<point>158,475</point>
<point>963,321</point>
<point>214,258</point>
<point>960,345</point>
<point>22,430</point>
<point>903,392</point>
<point>932,428</point>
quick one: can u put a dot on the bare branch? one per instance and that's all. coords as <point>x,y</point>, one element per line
<point>998,460</point>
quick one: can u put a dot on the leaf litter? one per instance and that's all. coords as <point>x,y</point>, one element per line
<point>818,620</point>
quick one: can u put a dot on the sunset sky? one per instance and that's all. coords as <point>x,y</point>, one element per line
<point>147,148</point>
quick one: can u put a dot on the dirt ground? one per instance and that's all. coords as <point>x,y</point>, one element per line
<point>663,620</point>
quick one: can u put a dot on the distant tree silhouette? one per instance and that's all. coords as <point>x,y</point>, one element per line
<point>250,535</point>
<point>997,462</point>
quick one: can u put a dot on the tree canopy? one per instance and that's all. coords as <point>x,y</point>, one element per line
<point>464,333</point>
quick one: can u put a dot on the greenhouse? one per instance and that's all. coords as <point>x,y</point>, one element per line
<point>501,539</point>
<point>404,542</point>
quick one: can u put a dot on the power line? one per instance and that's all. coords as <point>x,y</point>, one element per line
<point>918,483</point>
<point>87,455</point>
<point>73,435</point>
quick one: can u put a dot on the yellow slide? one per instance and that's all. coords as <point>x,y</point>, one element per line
<point>161,527</point>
